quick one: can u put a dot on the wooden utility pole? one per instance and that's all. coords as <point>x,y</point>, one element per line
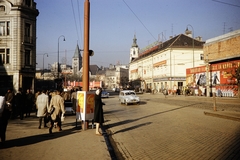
<point>86,46</point>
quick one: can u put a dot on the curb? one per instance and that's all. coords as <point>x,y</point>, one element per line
<point>219,115</point>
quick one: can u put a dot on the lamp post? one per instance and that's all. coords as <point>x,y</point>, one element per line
<point>43,63</point>
<point>192,41</point>
<point>58,53</point>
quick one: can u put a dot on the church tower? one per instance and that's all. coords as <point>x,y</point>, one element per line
<point>76,61</point>
<point>134,49</point>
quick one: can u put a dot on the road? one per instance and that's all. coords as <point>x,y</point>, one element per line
<point>172,128</point>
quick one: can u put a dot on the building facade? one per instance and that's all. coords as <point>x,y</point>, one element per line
<point>222,57</point>
<point>163,65</point>
<point>17,44</point>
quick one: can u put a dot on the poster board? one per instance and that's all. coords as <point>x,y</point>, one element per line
<point>85,105</point>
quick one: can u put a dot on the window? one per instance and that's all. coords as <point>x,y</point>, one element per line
<point>27,57</point>
<point>27,33</point>
<point>28,3</point>
<point>2,8</point>
<point>4,28</point>
<point>4,56</point>
<point>201,57</point>
<point>7,56</point>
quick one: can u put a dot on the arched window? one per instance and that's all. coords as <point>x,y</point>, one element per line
<point>2,8</point>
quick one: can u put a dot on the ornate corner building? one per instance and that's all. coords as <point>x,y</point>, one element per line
<point>17,44</point>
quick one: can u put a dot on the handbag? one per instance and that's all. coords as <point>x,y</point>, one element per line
<point>51,110</point>
<point>47,118</point>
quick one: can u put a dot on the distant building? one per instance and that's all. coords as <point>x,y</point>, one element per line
<point>76,61</point>
<point>18,44</point>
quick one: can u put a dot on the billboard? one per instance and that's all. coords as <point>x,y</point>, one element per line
<point>220,77</point>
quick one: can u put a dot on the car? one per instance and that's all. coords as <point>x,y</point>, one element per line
<point>128,97</point>
<point>68,107</point>
<point>105,94</point>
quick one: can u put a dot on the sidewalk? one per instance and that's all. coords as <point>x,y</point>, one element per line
<point>25,141</point>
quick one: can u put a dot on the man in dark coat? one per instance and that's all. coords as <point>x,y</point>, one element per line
<point>29,102</point>
<point>98,111</point>
<point>19,103</point>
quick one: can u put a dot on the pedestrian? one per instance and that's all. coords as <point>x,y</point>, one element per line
<point>19,103</point>
<point>98,111</point>
<point>29,102</point>
<point>58,103</point>
<point>35,99</point>
<point>9,98</point>
<point>42,106</point>
<point>5,113</point>
<point>74,99</point>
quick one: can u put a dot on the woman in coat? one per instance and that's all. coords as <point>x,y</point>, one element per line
<point>98,111</point>
<point>58,103</point>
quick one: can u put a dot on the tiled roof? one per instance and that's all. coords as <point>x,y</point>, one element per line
<point>180,41</point>
<point>94,69</point>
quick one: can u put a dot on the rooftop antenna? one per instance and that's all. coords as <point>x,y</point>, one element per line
<point>224,25</point>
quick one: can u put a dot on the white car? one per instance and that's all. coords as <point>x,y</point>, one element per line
<point>128,97</point>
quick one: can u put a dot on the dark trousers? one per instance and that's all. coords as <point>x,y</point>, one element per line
<point>59,123</point>
<point>28,110</point>
<point>3,124</point>
<point>40,121</point>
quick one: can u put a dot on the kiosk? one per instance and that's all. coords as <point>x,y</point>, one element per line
<point>85,108</point>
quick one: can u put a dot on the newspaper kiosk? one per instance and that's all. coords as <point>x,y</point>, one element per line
<point>85,108</point>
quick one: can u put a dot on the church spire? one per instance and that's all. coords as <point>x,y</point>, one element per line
<point>134,41</point>
<point>77,52</point>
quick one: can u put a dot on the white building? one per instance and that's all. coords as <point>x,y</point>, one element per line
<point>164,65</point>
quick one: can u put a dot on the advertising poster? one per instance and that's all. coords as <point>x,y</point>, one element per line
<point>85,105</point>
<point>221,77</point>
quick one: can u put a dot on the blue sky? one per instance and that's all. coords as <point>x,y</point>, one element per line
<point>113,24</point>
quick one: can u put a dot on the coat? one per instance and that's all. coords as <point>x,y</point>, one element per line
<point>98,111</point>
<point>42,105</point>
<point>2,104</point>
<point>58,103</point>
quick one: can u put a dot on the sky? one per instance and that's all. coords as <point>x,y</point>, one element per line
<point>113,24</point>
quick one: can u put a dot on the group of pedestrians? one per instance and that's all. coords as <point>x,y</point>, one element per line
<point>49,108</point>
<point>22,103</point>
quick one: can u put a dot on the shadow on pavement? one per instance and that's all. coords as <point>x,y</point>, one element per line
<point>39,138</point>
<point>133,120</point>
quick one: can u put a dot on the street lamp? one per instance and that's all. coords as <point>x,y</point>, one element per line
<point>192,41</point>
<point>58,53</point>
<point>43,63</point>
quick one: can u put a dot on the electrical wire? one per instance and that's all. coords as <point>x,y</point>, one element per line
<point>140,20</point>
<point>75,19</point>
<point>226,3</point>
<point>80,24</point>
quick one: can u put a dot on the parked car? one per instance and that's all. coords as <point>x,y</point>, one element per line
<point>105,94</point>
<point>68,107</point>
<point>128,97</point>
